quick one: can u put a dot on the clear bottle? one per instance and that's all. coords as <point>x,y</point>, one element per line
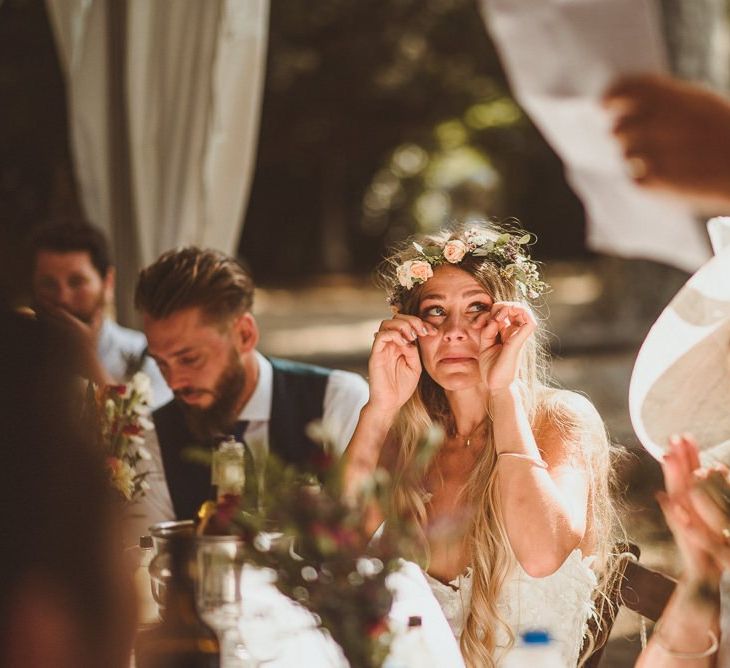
<point>228,471</point>
<point>147,611</point>
<point>228,476</point>
<point>534,648</point>
<point>183,639</point>
<point>411,649</point>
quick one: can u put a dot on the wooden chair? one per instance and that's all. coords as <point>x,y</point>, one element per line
<point>637,588</point>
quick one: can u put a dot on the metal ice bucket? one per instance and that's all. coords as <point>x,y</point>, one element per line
<point>217,573</point>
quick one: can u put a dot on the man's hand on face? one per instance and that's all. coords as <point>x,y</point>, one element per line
<point>83,333</point>
<point>84,336</point>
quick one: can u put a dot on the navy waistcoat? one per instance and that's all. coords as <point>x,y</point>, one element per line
<point>297,399</point>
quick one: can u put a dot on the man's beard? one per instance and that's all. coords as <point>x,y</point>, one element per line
<point>87,317</point>
<point>217,419</point>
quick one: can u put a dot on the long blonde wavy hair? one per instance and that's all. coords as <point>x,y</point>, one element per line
<point>486,540</point>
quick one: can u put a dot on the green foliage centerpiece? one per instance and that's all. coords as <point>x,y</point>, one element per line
<point>321,554</point>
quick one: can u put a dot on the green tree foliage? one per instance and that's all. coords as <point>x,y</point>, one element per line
<point>376,117</point>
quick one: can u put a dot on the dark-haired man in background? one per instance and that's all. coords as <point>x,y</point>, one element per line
<point>73,283</point>
<point>196,307</point>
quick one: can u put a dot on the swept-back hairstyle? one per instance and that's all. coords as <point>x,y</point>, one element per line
<point>194,277</point>
<point>487,541</point>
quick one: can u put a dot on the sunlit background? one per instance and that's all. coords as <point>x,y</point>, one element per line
<point>378,120</point>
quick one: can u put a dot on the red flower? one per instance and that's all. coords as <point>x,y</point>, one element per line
<point>376,629</point>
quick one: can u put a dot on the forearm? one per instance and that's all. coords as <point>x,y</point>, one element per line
<point>360,459</point>
<point>683,631</point>
<point>542,526</point>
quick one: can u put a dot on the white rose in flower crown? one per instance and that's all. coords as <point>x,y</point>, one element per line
<point>476,238</point>
<point>413,272</point>
<point>454,251</point>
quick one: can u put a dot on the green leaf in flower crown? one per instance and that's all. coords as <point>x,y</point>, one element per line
<point>482,251</point>
<point>502,239</point>
<point>431,251</point>
<point>524,239</point>
<point>418,247</point>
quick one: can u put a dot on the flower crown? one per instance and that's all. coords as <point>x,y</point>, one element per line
<point>506,251</point>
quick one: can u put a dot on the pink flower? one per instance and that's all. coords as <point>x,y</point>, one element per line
<point>413,272</point>
<point>421,271</point>
<point>454,251</point>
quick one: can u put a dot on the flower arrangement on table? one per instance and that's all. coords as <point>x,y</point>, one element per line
<point>118,414</point>
<point>324,560</point>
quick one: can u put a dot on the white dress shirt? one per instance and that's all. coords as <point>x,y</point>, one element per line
<point>345,395</point>
<point>118,345</point>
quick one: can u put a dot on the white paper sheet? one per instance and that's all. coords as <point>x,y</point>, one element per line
<point>560,56</point>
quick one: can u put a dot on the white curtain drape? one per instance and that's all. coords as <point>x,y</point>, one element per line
<point>164,99</point>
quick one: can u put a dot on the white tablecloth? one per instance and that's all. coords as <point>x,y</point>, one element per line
<point>276,630</point>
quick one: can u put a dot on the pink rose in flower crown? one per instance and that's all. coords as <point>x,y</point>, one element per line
<point>454,251</point>
<point>414,272</point>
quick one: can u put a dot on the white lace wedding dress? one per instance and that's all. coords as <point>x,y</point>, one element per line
<point>561,603</point>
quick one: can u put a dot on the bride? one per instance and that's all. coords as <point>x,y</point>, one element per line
<point>513,510</point>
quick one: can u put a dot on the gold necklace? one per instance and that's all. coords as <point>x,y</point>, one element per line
<point>469,436</point>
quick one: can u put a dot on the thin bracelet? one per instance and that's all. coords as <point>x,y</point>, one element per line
<point>537,461</point>
<point>714,645</point>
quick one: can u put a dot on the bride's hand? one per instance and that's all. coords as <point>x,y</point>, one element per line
<point>395,366</point>
<point>503,333</point>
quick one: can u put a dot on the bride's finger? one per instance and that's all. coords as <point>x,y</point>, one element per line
<point>419,325</point>
<point>393,337</point>
<point>515,312</point>
<point>516,335</point>
<point>489,334</point>
<point>411,329</point>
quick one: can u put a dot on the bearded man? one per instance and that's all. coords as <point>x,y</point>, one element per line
<point>196,307</point>
<point>73,284</point>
